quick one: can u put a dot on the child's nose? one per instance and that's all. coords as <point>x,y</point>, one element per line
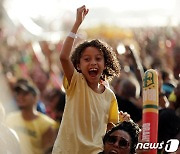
<point>93,62</point>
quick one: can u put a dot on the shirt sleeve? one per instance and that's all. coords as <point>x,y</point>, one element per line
<point>46,122</point>
<point>68,87</point>
<point>113,112</point>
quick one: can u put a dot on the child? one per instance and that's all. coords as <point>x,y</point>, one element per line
<point>90,105</point>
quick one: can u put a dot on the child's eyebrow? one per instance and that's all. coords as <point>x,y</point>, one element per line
<point>85,55</point>
<point>99,54</point>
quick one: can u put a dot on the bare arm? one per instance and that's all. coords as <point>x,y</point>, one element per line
<point>123,116</point>
<point>65,60</point>
<point>138,68</point>
<point>48,139</point>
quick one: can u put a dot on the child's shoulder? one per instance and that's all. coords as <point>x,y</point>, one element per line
<point>109,91</point>
<point>107,86</point>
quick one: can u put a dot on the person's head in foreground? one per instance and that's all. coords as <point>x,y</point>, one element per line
<point>121,139</point>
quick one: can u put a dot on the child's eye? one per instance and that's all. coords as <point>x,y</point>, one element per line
<point>99,58</point>
<point>87,59</point>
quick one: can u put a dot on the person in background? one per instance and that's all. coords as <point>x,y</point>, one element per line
<point>163,100</point>
<point>41,80</point>
<point>132,58</point>
<point>90,105</point>
<point>174,99</point>
<point>121,139</point>
<point>176,57</point>
<point>128,98</point>
<point>168,127</point>
<point>35,130</point>
<point>55,106</point>
<point>169,82</point>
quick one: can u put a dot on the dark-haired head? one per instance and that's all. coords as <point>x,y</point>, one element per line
<point>129,127</point>
<point>112,67</point>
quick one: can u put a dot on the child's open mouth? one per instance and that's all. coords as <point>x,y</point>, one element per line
<point>93,72</point>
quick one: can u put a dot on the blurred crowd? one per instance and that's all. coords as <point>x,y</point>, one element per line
<point>33,67</point>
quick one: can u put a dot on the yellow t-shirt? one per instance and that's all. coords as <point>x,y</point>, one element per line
<point>30,132</point>
<point>85,118</point>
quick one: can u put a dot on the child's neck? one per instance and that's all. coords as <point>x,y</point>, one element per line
<point>98,88</point>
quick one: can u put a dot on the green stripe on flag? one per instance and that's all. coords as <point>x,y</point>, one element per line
<point>150,106</point>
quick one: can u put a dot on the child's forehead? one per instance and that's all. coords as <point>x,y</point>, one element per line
<point>92,51</point>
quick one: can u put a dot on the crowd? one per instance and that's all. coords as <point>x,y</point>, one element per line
<point>34,76</point>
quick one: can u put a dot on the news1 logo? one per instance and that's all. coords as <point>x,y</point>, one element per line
<point>170,146</point>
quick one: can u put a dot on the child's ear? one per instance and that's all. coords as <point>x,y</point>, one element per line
<point>78,67</point>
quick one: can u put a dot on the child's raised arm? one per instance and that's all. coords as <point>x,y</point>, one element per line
<point>65,60</point>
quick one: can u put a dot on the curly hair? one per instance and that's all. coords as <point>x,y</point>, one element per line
<point>112,65</point>
<point>131,128</point>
